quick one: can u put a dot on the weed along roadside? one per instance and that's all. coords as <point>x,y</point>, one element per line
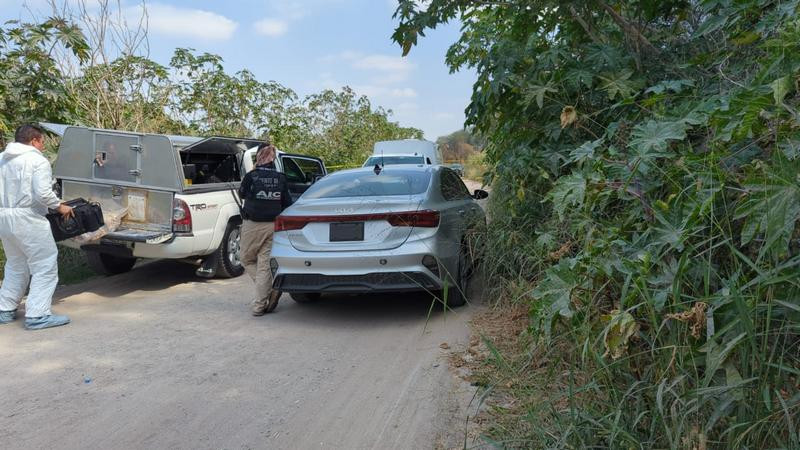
<point>644,164</point>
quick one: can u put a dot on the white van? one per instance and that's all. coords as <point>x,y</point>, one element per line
<point>405,151</point>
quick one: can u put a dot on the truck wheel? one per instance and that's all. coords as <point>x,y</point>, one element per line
<point>105,264</point>
<point>229,262</point>
<point>306,298</point>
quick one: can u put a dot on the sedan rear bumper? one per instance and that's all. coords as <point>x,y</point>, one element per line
<point>355,284</point>
<point>396,270</point>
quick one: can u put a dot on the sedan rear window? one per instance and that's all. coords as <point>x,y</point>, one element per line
<point>387,160</point>
<point>367,184</point>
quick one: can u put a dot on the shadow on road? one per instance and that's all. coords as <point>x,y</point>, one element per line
<point>150,276</point>
<point>373,309</point>
<point>231,298</point>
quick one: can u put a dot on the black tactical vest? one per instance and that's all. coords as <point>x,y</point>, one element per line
<point>265,194</point>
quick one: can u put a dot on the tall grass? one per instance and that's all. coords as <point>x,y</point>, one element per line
<point>72,266</point>
<point>638,343</point>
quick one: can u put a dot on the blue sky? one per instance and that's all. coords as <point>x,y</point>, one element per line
<point>310,45</point>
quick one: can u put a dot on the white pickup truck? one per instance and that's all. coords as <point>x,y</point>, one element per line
<point>180,194</point>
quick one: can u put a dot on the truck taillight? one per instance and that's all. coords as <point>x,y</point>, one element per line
<point>181,217</point>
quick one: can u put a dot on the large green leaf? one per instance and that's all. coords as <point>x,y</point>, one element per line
<point>669,85</point>
<point>586,151</point>
<point>618,84</point>
<point>653,137</point>
<point>553,295</point>
<point>771,209</point>
<point>568,191</point>
<point>536,93</point>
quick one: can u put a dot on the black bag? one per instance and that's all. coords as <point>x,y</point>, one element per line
<point>88,218</point>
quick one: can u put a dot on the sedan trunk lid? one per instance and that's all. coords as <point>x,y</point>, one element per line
<point>351,223</point>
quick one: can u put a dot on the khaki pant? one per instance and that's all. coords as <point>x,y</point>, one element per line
<point>256,246</point>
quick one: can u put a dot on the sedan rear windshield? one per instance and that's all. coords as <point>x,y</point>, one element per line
<point>367,184</point>
<point>386,160</point>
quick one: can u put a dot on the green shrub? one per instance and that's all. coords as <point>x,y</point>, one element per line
<point>645,163</point>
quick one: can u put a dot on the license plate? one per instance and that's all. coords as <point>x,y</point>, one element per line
<point>347,231</point>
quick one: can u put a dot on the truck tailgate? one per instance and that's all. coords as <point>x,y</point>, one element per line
<point>149,212</point>
<point>147,237</point>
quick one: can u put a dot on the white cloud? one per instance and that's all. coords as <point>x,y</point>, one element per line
<point>403,93</point>
<point>271,27</point>
<point>381,92</point>
<point>444,116</point>
<point>298,9</point>
<point>391,69</point>
<point>186,22</point>
<point>284,12</point>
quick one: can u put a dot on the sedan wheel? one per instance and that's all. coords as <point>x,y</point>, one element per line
<point>456,295</point>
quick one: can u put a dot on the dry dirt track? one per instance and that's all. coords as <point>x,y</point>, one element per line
<point>158,358</point>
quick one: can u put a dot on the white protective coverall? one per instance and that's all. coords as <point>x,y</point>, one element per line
<point>25,194</point>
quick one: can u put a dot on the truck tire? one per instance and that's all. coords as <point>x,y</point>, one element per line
<point>229,262</point>
<point>106,264</point>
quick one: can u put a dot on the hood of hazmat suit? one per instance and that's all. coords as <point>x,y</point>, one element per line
<point>25,194</point>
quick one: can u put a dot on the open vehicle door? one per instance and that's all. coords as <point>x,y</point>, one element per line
<point>301,172</point>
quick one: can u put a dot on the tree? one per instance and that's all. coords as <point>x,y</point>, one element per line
<point>343,127</point>
<point>460,145</point>
<point>32,87</point>
<point>214,102</point>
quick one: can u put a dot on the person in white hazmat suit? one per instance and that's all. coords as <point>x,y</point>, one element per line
<point>25,195</point>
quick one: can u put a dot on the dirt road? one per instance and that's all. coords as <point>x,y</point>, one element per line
<point>158,358</point>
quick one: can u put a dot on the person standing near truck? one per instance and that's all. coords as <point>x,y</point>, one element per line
<point>26,193</point>
<point>265,194</point>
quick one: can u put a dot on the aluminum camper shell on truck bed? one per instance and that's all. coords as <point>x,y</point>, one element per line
<point>180,193</point>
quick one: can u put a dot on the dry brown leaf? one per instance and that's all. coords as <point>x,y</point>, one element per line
<point>563,250</point>
<point>568,116</point>
<point>444,345</point>
<point>695,316</point>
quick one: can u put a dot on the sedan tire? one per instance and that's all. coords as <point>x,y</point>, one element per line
<point>456,295</point>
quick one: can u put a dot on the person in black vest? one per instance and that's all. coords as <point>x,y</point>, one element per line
<point>265,194</point>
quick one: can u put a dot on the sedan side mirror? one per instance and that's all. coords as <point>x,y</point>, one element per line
<point>480,194</point>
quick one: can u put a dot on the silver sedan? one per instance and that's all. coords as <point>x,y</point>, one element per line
<point>391,229</point>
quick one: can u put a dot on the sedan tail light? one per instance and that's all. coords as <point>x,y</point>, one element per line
<point>423,219</point>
